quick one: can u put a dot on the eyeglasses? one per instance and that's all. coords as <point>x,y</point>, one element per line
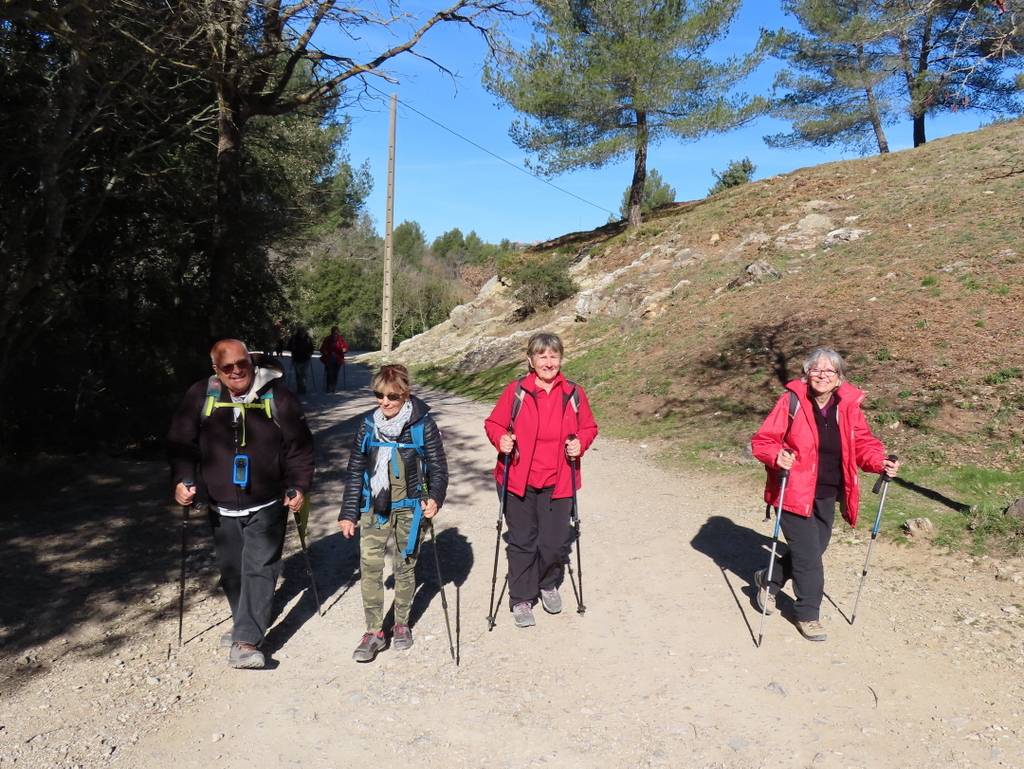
<point>393,397</point>
<point>824,373</point>
<point>242,365</point>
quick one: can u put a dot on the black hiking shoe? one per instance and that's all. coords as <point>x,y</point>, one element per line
<point>246,657</point>
<point>401,637</point>
<point>369,646</point>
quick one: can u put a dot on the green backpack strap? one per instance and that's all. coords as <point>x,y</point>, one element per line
<point>214,391</point>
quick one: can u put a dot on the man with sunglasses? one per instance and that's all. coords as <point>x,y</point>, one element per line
<point>240,438</point>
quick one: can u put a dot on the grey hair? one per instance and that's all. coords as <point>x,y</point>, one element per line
<point>828,354</point>
<point>542,341</point>
<point>221,344</point>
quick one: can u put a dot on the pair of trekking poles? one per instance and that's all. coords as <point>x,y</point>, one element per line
<point>185,513</point>
<point>881,486</point>
<point>575,520</point>
<point>186,510</point>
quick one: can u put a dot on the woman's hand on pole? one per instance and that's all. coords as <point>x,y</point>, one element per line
<point>507,443</point>
<point>573,448</point>
<point>429,509</point>
<point>785,459</point>
<point>891,467</point>
<point>348,528</point>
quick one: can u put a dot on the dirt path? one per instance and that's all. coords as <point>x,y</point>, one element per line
<point>660,671</point>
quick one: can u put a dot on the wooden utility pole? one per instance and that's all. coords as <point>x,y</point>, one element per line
<point>386,324</point>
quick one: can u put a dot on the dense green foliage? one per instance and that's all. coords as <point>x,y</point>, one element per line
<point>605,78</point>
<point>163,163</point>
<point>657,192</point>
<point>857,65</point>
<point>541,282</point>
<point>736,173</point>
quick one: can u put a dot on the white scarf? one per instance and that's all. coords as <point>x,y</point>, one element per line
<point>387,430</point>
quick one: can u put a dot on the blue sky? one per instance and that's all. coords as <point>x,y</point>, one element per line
<point>443,182</point>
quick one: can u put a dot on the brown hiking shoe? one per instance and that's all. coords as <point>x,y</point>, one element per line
<point>246,656</point>
<point>811,630</point>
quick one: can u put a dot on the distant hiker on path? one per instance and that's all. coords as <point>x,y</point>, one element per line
<point>332,355</point>
<point>544,422</point>
<point>301,348</point>
<point>397,475</point>
<point>818,433</point>
<point>241,436</point>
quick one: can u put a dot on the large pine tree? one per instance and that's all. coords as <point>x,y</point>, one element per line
<point>605,78</point>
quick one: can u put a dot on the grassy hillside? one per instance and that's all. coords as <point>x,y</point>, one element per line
<point>925,302</point>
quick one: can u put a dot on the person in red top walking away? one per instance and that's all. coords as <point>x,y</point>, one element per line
<point>821,446</point>
<point>332,355</point>
<point>553,426</point>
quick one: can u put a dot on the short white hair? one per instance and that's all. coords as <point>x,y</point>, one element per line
<point>828,354</point>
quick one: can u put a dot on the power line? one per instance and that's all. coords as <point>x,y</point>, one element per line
<point>452,131</point>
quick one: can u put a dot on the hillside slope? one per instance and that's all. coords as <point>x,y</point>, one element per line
<point>911,264</point>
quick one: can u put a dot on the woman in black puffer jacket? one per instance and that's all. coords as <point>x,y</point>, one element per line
<point>397,475</point>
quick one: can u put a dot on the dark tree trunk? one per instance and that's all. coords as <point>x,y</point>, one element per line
<point>636,190</point>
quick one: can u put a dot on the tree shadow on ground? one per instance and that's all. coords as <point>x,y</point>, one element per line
<point>740,551</point>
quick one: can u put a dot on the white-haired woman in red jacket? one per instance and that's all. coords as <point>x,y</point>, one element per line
<point>821,445</point>
<point>551,427</point>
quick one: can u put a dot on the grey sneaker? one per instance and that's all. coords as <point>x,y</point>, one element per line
<point>811,630</point>
<point>370,644</point>
<point>522,613</point>
<point>763,593</point>
<point>225,641</point>
<point>551,600</point>
<point>246,656</point>
<point>401,637</point>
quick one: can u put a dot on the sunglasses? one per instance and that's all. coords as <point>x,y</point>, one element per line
<point>390,396</point>
<point>242,365</point>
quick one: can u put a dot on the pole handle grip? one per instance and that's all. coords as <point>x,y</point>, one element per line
<point>291,493</point>
<point>882,477</point>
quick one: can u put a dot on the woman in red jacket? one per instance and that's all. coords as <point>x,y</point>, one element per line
<point>551,427</point>
<point>821,445</point>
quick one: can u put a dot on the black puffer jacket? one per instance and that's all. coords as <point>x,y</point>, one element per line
<point>435,461</point>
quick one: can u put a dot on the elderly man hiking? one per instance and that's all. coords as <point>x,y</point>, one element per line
<point>242,436</point>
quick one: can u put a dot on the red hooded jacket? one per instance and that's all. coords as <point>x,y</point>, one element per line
<point>579,422</point>
<point>860,449</point>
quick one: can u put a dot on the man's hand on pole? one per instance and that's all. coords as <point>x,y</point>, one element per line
<point>183,494</point>
<point>293,500</point>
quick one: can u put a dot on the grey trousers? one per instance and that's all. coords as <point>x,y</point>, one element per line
<point>249,556</point>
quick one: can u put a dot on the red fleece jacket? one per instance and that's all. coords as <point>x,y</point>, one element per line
<point>580,423</point>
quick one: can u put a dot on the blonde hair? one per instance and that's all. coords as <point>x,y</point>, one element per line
<point>394,374</point>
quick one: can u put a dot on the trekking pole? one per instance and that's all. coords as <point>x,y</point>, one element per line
<point>784,476</point>
<point>581,608</point>
<point>440,584</point>
<point>458,625</point>
<point>497,544</point>
<point>189,484</point>
<point>309,566</point>
<point>881,485</point>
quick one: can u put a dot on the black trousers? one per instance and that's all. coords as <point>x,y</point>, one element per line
<point>331,375</point>
<point>249,556</point>
<point>538,542</point>
<point>807,539</point>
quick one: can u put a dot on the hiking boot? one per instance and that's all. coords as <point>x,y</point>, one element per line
<point>551,600</point>
<point>246,656</point>
<point>764,595</point>
<point>369,646</point>
<point>401,637</point>
<point>811,630</point>
<point>225,641</point>
<point>522,613</point>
